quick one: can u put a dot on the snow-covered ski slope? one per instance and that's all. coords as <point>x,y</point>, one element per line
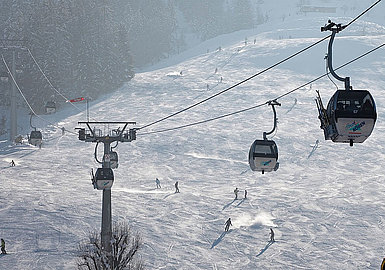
<point>327,208</point>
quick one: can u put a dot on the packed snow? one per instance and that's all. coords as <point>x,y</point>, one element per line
<point>325,202</point>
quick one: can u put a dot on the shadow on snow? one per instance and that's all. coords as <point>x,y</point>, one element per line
<point>227,205</point>
<point>240,202</point>
<point>216,242</point>
<point>165,197</point>
<point>265,248</point>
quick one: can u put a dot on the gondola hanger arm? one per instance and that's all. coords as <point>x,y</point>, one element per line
<point>272,103</point>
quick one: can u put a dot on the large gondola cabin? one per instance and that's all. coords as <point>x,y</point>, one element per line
<point>352,116</point>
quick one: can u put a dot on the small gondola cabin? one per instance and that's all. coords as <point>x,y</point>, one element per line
<point>50,107</point>
<point>104,178</point>
<point>114,162</point>
<point>35,138</point>
<point>263,156</point>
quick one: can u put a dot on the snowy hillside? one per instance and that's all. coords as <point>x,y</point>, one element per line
<point>264,14</point>
<point>326,207</point>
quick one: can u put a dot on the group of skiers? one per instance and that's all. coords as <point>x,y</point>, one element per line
<point>228,222</point>
<point>157,181</point>
<point>236,191</point>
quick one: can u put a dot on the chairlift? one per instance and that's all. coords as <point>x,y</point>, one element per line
<point>350,115</point>
<point>263,154</point>
<point>103,178</point>
<point>50,107</point>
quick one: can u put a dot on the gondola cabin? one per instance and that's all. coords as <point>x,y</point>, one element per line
<point>50,107</point>
<point>35,138</point>
<point>114,160</point>
<point>352,115</point>
<point>104,178</point>
<point>263,156</point>
<point>112,157</point>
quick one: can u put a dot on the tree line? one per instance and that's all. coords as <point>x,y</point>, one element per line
<point>90,47</point>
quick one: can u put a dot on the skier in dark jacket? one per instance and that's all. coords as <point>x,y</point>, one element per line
<point>272,235</point>
<point>157,183</point>
<point>236,190</point>
<point>176,187</point>
<point>228,224</point>
<point>3,246</point>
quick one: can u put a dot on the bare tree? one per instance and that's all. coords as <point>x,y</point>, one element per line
<point>125,246</point>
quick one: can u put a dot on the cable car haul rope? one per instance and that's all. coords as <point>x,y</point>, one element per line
<point>247,79</point>
<point>349,117</point>
<point>264,103</point>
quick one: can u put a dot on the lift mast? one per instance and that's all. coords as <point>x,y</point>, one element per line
<point>99,136</point>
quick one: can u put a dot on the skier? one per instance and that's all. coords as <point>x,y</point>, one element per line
<point>157,183</point>
<point>228,224</point>
<point>176,187</point>
<point>271,235</point>
<point>245,194</point>
<point>236,190</point>
<point>12,163</point>
<point>3,246</point>
<point>63,130</point>
<point>216,70</point>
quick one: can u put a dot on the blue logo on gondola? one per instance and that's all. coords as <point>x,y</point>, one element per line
<point>355,126</point>
<point>266,163</point>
